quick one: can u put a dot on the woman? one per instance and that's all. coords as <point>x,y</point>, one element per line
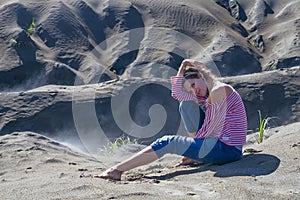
<point>216,140</point>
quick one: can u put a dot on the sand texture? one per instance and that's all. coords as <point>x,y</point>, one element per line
<point>35,167</point>
<point>76,74</point>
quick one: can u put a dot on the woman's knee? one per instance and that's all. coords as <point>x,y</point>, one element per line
<point>187,106</point>
<point>173,144</point>
<point>190,114</point>
<point>162,142</point>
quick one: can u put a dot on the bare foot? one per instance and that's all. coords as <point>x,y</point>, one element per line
<point>187,161</point>
<point>112,174</point>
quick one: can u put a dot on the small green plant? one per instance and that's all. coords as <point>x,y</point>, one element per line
<point>30,28</point>
<point>114,145</point>
<point>263,126</point>
<point>24,42</point>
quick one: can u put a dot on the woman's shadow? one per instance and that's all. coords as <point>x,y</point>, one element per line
<point>249,165</point>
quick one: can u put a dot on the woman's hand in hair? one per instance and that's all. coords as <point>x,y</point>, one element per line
<point>184,64</point>
<point>194,63</point>
<point>181,69</point>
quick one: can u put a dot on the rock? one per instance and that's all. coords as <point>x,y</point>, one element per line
<point>258,42</point>
<point>235,67</point>
<point>234,8</point>
<point>283,63</point>
<point>274,93</point>
<point>258,13</point>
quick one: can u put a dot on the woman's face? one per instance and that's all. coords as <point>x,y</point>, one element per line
<point>197,86</point>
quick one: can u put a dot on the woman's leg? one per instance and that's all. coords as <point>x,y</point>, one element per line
<point>203,150</point>
<point>144,157</point>
<point>162,146</point>
<point>192,115</point>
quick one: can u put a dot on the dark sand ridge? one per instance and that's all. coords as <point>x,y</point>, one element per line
<point>48,110</point>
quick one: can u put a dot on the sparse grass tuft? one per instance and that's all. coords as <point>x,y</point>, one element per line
<point>30,28</point>
<point>24,42</point>
<point>114,145</point>
<point>263,127</point>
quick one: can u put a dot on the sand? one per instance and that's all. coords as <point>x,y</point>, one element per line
<point>36,167</point>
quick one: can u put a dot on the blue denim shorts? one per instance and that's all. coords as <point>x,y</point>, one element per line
<point>209,150</point>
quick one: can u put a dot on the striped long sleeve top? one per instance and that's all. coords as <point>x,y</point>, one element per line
<point>225,119</point>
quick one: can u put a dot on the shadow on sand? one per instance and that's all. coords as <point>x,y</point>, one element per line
<point>249,165</point>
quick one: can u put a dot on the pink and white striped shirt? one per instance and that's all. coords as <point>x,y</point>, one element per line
<point>225,119</point>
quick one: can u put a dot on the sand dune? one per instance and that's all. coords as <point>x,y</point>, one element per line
<point>67,68</point>
<point>69,34</point>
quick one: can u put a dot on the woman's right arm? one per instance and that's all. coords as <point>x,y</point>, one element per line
<point>177,85</point>
<point>178,92</point>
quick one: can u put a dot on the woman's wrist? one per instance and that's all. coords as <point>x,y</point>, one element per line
<point>180,74</point>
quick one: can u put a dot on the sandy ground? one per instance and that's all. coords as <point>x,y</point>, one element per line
<point>35,167</point>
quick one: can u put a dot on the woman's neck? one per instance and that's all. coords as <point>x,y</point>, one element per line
<point>210,85</point>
